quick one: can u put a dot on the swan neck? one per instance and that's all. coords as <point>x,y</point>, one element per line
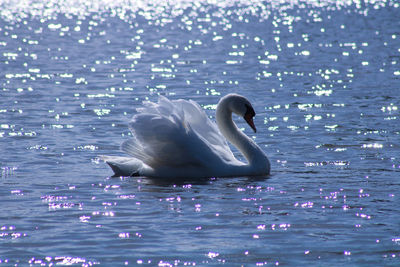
<point>231,132</point>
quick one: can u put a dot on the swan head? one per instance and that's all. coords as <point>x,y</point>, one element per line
<point>242,107</point>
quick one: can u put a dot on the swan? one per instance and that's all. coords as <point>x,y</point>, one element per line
<point>176,139</point>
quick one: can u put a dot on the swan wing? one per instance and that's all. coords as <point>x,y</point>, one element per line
<point>205,128</point>
<point>175,134</point>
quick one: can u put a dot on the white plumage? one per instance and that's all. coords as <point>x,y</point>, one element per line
<point>176,139</point>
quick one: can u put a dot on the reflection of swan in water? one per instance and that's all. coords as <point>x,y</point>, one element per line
<point>176,139</point>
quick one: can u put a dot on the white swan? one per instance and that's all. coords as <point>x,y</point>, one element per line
<point>176,139</point>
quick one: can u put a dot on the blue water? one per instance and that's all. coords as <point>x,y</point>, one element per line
<point>323,77</point>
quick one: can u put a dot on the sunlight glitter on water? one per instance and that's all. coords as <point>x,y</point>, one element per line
<point>322,75</point>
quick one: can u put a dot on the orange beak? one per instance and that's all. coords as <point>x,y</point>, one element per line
<point>249,119</point>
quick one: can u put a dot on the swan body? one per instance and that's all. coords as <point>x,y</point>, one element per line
<point>176,139</point>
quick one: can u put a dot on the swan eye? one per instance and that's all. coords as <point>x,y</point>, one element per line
<point>249,111</point>
<point>248,117</point>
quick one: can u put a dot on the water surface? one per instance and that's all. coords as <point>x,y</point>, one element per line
<point>324,78</point>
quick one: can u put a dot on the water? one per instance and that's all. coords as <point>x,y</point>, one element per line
<point>324,78</point>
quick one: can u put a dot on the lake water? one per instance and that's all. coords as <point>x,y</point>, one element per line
<point>324,79</point>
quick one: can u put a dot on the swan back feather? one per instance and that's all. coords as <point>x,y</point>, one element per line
<point>175,133</point>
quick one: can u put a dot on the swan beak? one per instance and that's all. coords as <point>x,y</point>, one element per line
<point>248,117</point>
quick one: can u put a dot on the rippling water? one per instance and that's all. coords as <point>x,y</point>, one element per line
<point>324,78</point>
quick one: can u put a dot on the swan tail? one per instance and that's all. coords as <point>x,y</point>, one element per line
<point>123,166</point>
<point>134,149</point>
